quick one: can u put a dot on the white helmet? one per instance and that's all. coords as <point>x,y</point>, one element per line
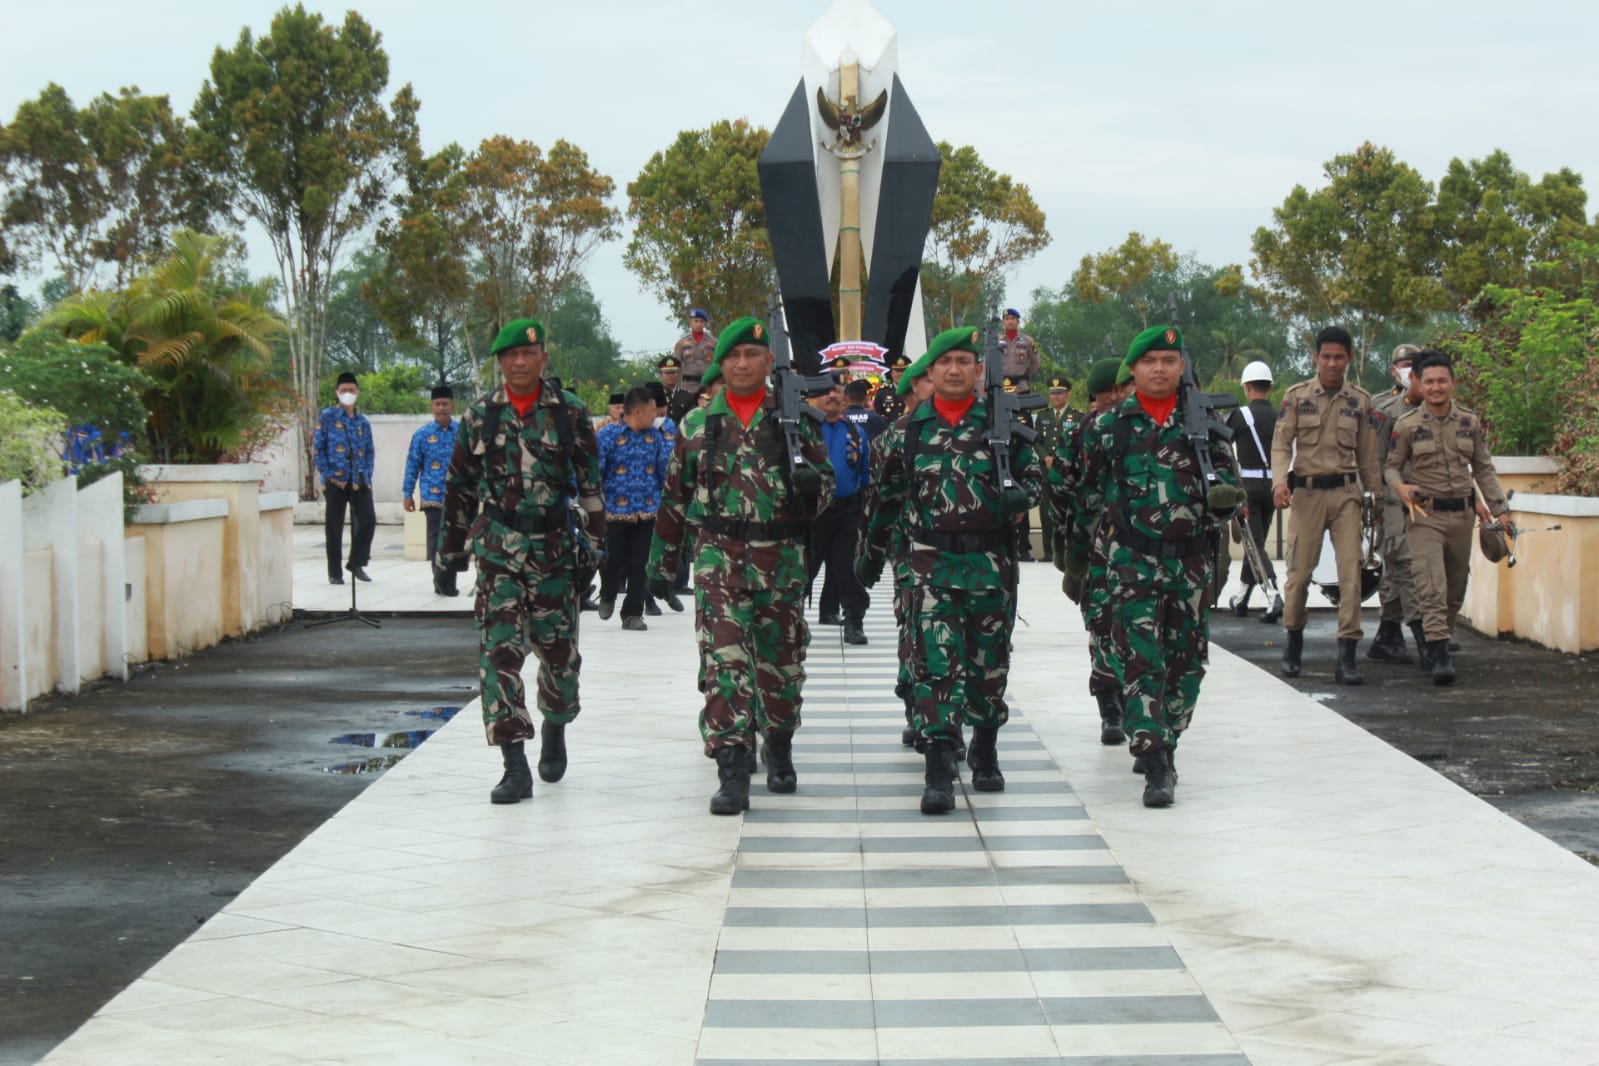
<point>1256,371</point>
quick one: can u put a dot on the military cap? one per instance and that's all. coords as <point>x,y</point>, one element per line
<point>616,398</point>
<point>521,331</point>
<point>1124,374</point>
<point>1010,386</point>
<point>900,362</point>
<point>1406,351</point>
<point>746,330</point>
<point>443,392</point>
<point>1102,375</point>
<point>699,313</point>
<point>669,362</point>
<point>1011,312</point>
<point>959,339</point>
<point>841,363</point>
<point>1060,383</point>
<point>347,378</point>
<point>1155,338</point>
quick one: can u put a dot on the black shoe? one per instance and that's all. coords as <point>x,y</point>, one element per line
<point>444,583</point>
<point>1423,655</point>
<point>552,752</point>
<point>588,604</point>
<point>1454,645</point>
<point>360,573</point>
<point>1293,653</point>
<point>1348,671</point>
<point>733,771</point>
<point>908,736</point>
<point>1388,646</point>
<point>1443,671</point>
<point>673,602</point>
<point>778,754</point>
<point>983,758</point>
<point>517,784</point>
<point>634,623</point>
<point>939,795</point>
<point>830,618</point>
<point>1240,602</point>
<point>606,608</point>
<point>1274,613</point>
<point>653,610</point>
<point>1160,778</point>
<point>335,579</point>
<point>1111,712</point>
<point>853,631</point>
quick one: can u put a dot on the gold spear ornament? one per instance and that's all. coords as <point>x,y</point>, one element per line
<point>848,121</point>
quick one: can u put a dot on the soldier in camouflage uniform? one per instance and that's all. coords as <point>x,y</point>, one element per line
<point>1053,422</point>
<point>1143,501</point>
<point>1061,479</point>
<point>938,491</point>
<point>519,453</point>
<point>729,478</point>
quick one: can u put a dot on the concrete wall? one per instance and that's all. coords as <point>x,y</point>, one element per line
<point>137,618</point>
<point>237,485</point>
<point>1551,595</point>
<point>184,587</point>
<point>391,439</point>
<point>276,556</point>
<point>13,621</point>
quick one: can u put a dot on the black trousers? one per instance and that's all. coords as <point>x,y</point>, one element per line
<point>1261,510</point>
<point>364,519</point>
<point>627,550</point>
<point>834,534</point>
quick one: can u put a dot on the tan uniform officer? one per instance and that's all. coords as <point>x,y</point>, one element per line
<point>1022,360</point>
<point>1444,446</point>
<point>693,354</point>
<point>1397,593</point>
<point>1324,454</point>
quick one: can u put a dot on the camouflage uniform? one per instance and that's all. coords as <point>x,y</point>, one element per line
<point>1146,511</point>
<point>523,545</point>
<point>1062,481</point>
<point>749,564</point>
<point>960,563</point>
<point>1052,426</point>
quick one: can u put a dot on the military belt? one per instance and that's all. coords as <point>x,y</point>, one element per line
<point>985,541</point>
<point>1452,503</point>
<point>1266,473</point>
<point>739,529</point>
<point>548,522</point>
<point>1329,481</point>
<point>1161,549</point>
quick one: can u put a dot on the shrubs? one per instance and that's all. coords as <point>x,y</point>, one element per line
<point>30,442</point>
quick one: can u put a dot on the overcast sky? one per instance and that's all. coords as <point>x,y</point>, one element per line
<point>1186,121</point>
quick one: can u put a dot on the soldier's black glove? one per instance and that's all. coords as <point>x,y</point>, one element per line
<point>660,588</point>
<point>453,564</point>
<point>869,568</point>
<point>807,482</point>
<point>1058,554</point>
<point>1076,571</point>
<point>1014,502</point>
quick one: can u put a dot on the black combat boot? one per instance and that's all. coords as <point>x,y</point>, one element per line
<point>517,784</point>
<point>1160,778</point>
<point>1110,718</point>
<point>1347,671</point>
<point>854,633</point>
<point>1388,646</point>
<point>552,752</point>
<point>939,795</point>
<point>830,618</point>
<point>983,758</point>
<point>908,736</point>
<point>778,754</point>
<point>733,771</point>
<point>1274,613</point>
<point>1292,653</point>
<point>1443,671</point>
<point>957,743</point>
<point>444,583</point>
<point>1241,602</point>
<point>1423,654</point>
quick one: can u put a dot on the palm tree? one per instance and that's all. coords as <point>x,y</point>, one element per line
<point>1236,351</point>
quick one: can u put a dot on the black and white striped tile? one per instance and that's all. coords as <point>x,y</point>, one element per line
<point>859,931</point>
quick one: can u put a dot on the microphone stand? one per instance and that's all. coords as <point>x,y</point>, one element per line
<point>354,614</point>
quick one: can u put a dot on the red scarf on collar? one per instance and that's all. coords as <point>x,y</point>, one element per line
<point>524,404</point>
<point>952,411</point>
<point>1159,410</point>
<point>744,406</point>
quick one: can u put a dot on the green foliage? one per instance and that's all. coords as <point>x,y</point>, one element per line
<point>1124,273</point>
<point>700,225</point>
<point>30,442</point>
<point>86,382</point>
<point>358,339</point>
<point>15,311</point>
<point>983,223</point>
<point>396,389</point>
<point>581,345</point>
<point>1577,442</point>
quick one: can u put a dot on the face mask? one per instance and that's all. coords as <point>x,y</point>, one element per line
<point>1404,377</point>
<point>660,420</point>
<point>347,399</point>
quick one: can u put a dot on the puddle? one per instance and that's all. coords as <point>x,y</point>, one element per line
<point>363,766</point>
<point>409,738</point>
<point>436,714</point>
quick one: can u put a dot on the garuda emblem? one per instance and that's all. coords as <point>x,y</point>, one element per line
<point>848,121</point>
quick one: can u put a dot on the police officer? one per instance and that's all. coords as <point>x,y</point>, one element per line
<point>1022,360</point>
<point>1053,423</point>
<point>1143,502</point>
<point>889,401</point>
<point>1397,592</point>
<point>730,475</point>
<point>1253,426</point>
<point>693,353</point>
<point>1325,454</point>
<point>1443,444</point>
<point>519,452</point>
<point>427,462</point>
<point>938,490</point>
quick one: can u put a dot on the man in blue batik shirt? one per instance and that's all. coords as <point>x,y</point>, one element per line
<point>342,446</point>
<point>835,531</point>
<point>633,458</point>
<point>427,461</point>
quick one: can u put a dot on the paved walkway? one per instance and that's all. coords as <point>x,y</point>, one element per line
<point>1314,897</point>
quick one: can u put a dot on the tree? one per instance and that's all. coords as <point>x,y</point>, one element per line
<point>296,126</point>
<point>533,220</point>
<point>1358,251</point>
<point>581,346</point>
<point>102,185</point>
<point>1496,225</point>
<point>1124,272</point>
<point>15,311</point>
<point>699,234</point>
<point>983,224</point>
<point>358,339</point>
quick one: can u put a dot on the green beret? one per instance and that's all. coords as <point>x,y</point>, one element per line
<point>961,338</point>
<point>1102,375</point>
<point>746,330</point>
<point>521,331</point>
<point>1124,374</point>
<point>1155,338</point>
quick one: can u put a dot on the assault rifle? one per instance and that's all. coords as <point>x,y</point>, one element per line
<point>1004,407</point>
<point>791,389</point>
<point>1200,424</point>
